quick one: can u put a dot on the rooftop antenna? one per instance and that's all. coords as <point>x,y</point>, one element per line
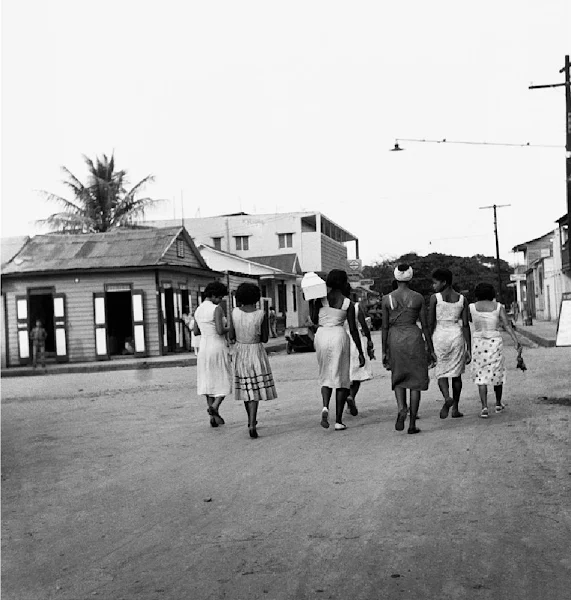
<point>181,209</point>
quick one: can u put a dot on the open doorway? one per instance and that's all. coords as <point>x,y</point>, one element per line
<point>41,306</point>
<point>170,320</point>
<point>118,306</point>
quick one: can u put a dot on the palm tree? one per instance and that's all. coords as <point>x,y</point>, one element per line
<point>102,204</point>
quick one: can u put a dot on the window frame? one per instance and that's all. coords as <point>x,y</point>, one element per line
<point>244,242</point>
<point>285,237</point>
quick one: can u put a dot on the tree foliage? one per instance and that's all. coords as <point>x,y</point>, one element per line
<point>467,272</point>
<point>102,203</point>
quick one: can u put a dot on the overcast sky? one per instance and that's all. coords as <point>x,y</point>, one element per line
<point>284,106</point>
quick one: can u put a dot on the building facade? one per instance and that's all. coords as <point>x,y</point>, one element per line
<point>547,273</point>
<point>319,243</point>
<point>102,295</point>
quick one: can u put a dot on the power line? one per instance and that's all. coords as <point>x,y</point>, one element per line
<point>471,143</point>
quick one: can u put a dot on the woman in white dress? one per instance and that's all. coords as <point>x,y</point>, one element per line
<point>332,345</point>
<point>213,362</point>
<point>448,321</point>
<point>357,373</point>
<point>488,362</point>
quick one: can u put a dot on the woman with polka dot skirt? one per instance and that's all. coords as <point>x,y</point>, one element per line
<point>488,362</point>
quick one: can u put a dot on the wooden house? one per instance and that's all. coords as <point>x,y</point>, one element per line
<point>102,295</point>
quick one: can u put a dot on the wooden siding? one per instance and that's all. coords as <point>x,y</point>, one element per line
<point>333,255</point>
<point>79,305</point>
<point>171,257</point>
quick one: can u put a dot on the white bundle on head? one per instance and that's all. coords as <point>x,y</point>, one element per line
<point>403,275</point>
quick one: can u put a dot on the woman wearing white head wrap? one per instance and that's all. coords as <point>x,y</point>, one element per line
<point>404,350</point>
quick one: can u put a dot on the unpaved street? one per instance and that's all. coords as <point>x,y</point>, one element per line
<point>115,486</point>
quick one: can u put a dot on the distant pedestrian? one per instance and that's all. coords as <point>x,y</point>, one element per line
<point>332,345</point>
<point>38,336</point>
<point>448,322</point>
<point>273,317</point>
<point>213,362</point>
<point>358,373</point>
<point>253,379</point>
<point>488,362</point>
<point>404,349</point>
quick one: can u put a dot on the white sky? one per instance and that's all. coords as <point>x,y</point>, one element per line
<point>276,106</point>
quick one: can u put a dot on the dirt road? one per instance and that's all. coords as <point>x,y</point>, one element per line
<point>115,486</point>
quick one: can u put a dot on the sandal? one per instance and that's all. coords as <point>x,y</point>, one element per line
<point>448,404</point>
<point>484,414</point>
<point>500,408</point>
<point>340,427</point>
<point>399,425</point>
<point>352,407</point>
<point>253,432</point>
<point>413,430</point>
<point>216,416</point>
<point>456,414</point>
<point>325,418</point>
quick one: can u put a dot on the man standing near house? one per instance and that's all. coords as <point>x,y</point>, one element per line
<point>38,337</point>
<point>273,320</point>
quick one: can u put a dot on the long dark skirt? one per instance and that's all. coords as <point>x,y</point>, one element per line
<point>407,358</point>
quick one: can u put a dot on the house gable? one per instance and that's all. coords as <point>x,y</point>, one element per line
<point>183,252</point>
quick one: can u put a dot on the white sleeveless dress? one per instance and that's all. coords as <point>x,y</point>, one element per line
<point>332,346</point>
<point>448,338</point>
<point>358,373</point>
<point>213,373</point>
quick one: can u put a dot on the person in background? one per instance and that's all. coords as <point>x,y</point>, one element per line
<point>187,325</point>
<point>488,362</point>
<point>332,344</point>
<point>273,321</point>
<point>448,322</point>
<point>253,379</point>
<point>38,337</point>
<point>358,373</point>
<point>213,364</point>
<point>404,349</point>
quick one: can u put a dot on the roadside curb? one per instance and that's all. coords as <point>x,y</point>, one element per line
<point>540,341</point>
<point>102,367</point>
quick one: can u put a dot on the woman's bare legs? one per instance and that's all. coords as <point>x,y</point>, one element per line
<point>414,404</point>
<point>326,397</point>
<point>340,397</point>
<point>456,391</point>
<point>400,394</point>
<point>443,385</point>
<point>351,405</point>
<point>252,410</point>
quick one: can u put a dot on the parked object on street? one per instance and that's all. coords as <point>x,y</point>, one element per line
<point>313,286</point>
<point>299,338</point>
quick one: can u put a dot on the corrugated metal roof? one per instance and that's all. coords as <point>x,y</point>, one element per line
<point>116,249</point>
<point>11,246</point>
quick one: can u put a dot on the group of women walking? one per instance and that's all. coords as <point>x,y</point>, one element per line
<point>344,347</point>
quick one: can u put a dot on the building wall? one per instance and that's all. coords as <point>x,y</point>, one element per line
<point>333,255</point>
<point>189,259</point>
<point>80,309</point>
<point>80,305</point>
<point>310,252</point>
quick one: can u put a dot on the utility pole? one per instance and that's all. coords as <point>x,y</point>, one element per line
<point>499,271</point>
<point>567,84</point>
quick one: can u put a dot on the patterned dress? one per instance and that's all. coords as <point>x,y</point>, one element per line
<point>406,349</point>
<point>253,379</point>
<point>332,346</point>
<point>488,363</point>
<point>448,338</point>
<point>213,362</point>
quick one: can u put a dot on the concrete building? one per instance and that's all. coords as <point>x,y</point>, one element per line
<point>319,243</point>
<point>547,273</point>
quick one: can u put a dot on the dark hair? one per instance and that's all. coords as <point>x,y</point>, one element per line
<point>394,284</point>
<point>337,280</point>
<point>403,267</point>
<point>347,289</point>
<point>215,288</point>
<point>248,293</point>
<point>444,275</point>
<point>485,291</point>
